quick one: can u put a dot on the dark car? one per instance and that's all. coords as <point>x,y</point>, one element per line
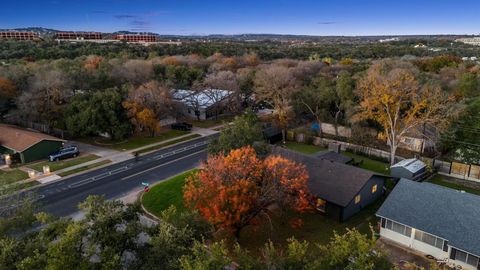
<point>67,152</point>
<point>182,126</point>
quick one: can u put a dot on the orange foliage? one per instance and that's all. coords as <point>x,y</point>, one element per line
<point>142,118</point>
<point>171,61</point>
<point>251,59</point>
<point>92,62</point>
<point>7,88</point>
<point>230,192</point>
<point>230,63</point>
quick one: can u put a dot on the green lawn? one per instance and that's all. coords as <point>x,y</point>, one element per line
<point>8,177</point>
<point>316,228</point>
<point>440,180</point>
<point>84,168</point>
<point>370,164</point>
<point>17,187</point>
<point>166,193</point>
<point>134,142</point>
<point>189,137</point>
<point>302,147</point>
<point>58,165</point>
<point>212,122</point>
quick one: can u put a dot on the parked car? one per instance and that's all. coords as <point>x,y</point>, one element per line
<point>182,126</point>
<point>64,153</point>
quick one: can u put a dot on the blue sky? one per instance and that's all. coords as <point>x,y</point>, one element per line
<point>187,17</point>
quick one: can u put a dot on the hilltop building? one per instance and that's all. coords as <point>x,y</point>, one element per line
<point>137,37</point>
<point>19,35</point>
<point>78,35</point>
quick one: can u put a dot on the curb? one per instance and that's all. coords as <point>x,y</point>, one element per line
<point>148,213</point>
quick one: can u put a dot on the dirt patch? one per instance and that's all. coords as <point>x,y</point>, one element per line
<point>403,257</point>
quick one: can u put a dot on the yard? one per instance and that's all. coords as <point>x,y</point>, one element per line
<point>370,164</point>
<point>166,193</point>
<point>365,162</point>
<point>449,182</point>
<point>316,228</point>
<point>58,165</point>
<point>12,176</point>
<point>302,147</point>
<point>133,142</point>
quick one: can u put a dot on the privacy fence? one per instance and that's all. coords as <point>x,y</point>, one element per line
<point>453,169</point>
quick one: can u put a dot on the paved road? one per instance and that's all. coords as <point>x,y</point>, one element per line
<point>61,198</point>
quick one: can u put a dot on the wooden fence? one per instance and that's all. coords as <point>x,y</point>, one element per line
<point>453,169</point>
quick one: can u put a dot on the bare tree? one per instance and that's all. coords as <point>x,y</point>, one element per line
<point>276,85</point>
<point>47,94</point>
<point>133,71</point>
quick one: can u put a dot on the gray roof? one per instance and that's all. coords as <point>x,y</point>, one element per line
<point>333,156</point>
<point>334,182</point>
<point>412,164</point>
<point>447,213</point>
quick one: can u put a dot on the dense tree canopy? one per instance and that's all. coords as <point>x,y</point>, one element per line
<point>231,191</point>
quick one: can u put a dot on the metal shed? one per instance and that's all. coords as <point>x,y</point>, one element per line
<point>413,169</point>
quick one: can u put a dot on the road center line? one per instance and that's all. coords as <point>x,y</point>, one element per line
<point>161,165</point>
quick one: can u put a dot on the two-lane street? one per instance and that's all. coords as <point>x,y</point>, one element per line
<point>61,198</point>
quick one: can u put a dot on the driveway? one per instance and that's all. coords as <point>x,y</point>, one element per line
<point>95,150</point>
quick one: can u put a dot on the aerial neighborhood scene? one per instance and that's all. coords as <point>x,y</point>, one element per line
<point>233,135</point>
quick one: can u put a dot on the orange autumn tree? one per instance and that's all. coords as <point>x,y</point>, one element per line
<point>230,191</point>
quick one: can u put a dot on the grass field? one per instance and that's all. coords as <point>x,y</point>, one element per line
<point>17,187</point>
<point>302,147</point>
<point>189,137</point>
<point>440,180</point>
<point>370,164</point>
<point>62,164</point>
<point>316,228</point>
<point>166,193</point>
<point>134,142</point>
<point>84,168</point>
<point>8,177</point>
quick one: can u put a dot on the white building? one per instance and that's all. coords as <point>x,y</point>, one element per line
<point>433,220</point>
<point>412,169</point>
<point>204,104</point>
<point>471,41</point>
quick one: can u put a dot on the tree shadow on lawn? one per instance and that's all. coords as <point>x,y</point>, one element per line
<point>315,228</point>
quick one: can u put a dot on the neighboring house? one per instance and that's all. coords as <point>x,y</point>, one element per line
<point>341,190</point>
<point>433,220</point>
<point>412,169</point>
<point>421,139</point>
<point>203,104</point>
<point>25,145</point>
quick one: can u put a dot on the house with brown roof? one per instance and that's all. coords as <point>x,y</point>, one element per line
<point>26,145</point>
<point>341,190</point>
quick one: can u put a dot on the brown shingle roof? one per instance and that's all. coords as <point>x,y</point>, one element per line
<point>19,139</point>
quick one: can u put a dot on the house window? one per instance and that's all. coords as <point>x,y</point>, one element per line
<point>429,239</point>
<point>398,228</point>
<point>374,188</point>
<point>464,257</point>
<point>321,205</point>
<point>357,199</point>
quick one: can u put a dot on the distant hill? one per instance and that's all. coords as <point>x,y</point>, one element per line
<point>44,32</point>
<point>48,32</point>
